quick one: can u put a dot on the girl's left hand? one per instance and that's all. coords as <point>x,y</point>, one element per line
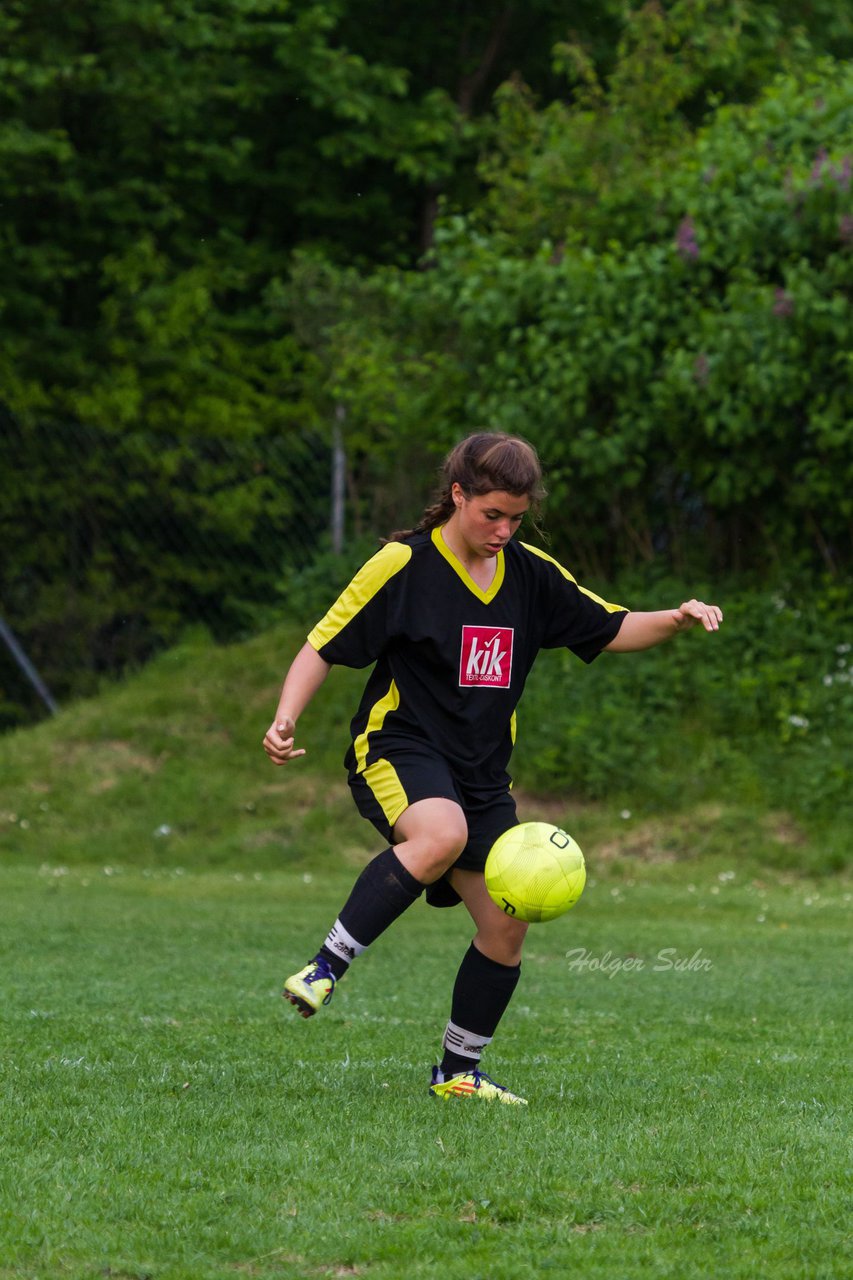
<point>693,611</point>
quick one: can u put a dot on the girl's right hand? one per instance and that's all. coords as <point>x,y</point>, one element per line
<point>278,741</point>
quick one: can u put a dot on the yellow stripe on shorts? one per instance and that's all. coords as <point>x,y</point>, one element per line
<point>375,721</point>
<point>381,777</point>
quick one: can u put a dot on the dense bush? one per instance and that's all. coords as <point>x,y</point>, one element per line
<point>760,712</point>
<point>689,392</point>
<point>649,283</point>
<point>111,543</point>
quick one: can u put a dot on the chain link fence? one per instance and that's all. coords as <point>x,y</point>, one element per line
<point>112,543</point>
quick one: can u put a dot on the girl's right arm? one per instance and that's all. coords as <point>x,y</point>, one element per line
<point>307,672</point>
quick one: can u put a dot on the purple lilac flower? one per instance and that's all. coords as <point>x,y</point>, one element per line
<point>783,304</point>
<point>685,240</point>
<point>817,167</point>
<point>839,173</point>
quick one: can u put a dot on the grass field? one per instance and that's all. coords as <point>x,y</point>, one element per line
<point>682,1035</point>
<point>166,1115</point>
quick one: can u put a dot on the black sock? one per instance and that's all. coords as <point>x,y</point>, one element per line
<point>481,993</point>
<point>381,893</point>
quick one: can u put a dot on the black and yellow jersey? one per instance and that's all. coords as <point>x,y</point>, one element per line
<point>452,659</point>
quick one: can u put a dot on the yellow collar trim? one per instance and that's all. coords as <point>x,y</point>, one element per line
<point>458,567</point>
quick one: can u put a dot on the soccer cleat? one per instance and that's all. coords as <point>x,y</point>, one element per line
<point>311,988</point>
<point>472,1084</point>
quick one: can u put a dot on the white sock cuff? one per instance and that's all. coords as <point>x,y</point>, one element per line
<point>466,1043</point>
<point>342,943</point>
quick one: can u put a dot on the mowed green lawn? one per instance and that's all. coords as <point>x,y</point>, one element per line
<point>165,1114</point>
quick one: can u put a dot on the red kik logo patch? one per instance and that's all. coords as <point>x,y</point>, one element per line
<point>486,659</point>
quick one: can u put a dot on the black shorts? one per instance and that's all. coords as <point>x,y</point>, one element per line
<point>386,788</point>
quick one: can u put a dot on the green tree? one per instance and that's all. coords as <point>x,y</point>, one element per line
<point>209,216</point>
<point>689,389</point>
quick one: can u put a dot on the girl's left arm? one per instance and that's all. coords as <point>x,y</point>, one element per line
<point>644,630</point>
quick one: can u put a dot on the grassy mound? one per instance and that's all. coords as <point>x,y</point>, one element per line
<point>736,746</point>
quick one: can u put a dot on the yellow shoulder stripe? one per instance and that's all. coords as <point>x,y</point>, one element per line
<point>369,580</point>
<point>611,608</point>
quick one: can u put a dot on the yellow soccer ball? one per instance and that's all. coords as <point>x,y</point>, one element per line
<point>535,872</point>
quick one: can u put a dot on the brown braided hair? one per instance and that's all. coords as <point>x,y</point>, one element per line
<point>481,463</point>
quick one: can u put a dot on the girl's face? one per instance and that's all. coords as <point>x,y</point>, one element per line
<point>487,521</point>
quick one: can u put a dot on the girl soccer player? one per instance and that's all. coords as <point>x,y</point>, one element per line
<point>452,613</point>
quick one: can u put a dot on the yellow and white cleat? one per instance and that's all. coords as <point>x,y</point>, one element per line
<point>472,1084</point>
<point>311,988</point>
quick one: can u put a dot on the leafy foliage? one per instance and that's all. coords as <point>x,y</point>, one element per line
<point>761,712</point>
<point>688,390</point>
<point>212,218</point>
<point>113,543</point>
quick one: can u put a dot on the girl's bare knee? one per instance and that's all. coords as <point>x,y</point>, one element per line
<point>438,851</point>
<point>502,940</point>
<point>431,834</point>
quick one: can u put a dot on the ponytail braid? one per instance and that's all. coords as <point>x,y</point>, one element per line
<point>481,463</point>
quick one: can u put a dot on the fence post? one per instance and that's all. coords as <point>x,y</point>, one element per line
<point>27,667</point>
<point>338,480</point>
